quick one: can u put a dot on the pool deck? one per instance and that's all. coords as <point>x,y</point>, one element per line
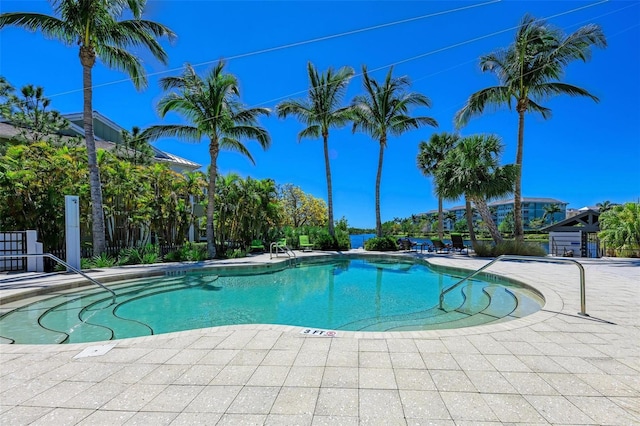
<point>552,367</point>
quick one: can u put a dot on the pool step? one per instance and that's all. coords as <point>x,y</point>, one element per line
<point>50,322</point>
<point>503,301</point>
<point>528,302</point>
<point>498,304</point>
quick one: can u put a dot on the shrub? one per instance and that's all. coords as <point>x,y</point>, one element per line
<point>147,254</point>
<point>484,249</point>
<point>102,261</point>
<point>189,252</point>
<point>620,230</point>
<point>319,237</point>
<point>381,244</point>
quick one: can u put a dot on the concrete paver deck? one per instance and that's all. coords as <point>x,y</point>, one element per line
<point>552,367</point>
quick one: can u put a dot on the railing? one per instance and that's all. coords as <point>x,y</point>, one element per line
<point>275,245</point>
<point>583,302</point>
<point>66,265</point>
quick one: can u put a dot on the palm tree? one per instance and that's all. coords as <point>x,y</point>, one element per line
<point>550,210</point>
<point>94,26</point>
<point>320,112</point>
<point>383,110</point>
<point>528,72</point>
<point>135,148</point>
<point>430,155</point>
<point>604,206</point>
<point>471,169</point>
<point>213,107</point>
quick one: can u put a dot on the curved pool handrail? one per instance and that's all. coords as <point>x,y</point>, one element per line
<point>66,265</point>
<point>583,302</point>
<point>276,245</point>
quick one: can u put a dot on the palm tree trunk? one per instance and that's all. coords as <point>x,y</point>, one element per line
<point>483,209</point>
<point>327,166</point>
<point>213,174</point>
<point>440,219</point>
<point>88,59</point>
<point>517,193</point>
<point>472,233</point>
<point>378,179</point>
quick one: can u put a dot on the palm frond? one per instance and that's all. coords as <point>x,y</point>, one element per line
<point>119,58</point>
<point>492,96</point>
<point>49,25</point>
<point>188,133</point>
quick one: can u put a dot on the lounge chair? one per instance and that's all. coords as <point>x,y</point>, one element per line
<point>439,246</point>
<point>305,245</point>
<point>458,243</point>
<point>256,245</point>
<point>406,244</point>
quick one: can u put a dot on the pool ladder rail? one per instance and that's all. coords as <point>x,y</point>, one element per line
<point>583,302</point>
<point>280,245</point>
<point>66,265</point>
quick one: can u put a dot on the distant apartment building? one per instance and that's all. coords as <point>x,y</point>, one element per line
<point>532,208</point>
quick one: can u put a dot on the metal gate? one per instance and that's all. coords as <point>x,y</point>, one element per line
<point>13,243</point>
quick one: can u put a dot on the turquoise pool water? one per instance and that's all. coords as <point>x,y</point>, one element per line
<point>346,294</point>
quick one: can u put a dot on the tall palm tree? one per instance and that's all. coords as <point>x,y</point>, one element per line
<point>471,169</point>
<point>212,105</point>
<point>430,155</point>
<point>529,71</point>
<point>94,25</point>
<point>320,112</point>
<point>383,110</point>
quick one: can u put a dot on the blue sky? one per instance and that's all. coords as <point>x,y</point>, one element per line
<point>586,153</point>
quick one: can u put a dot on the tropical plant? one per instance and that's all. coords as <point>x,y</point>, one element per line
<point>383,110</point>
<point>529,71</point>
<point>550,210</point>
<point>620,228</point>
<point>381,244</point>
<point>33,181</point>
<point>29,113</point>
<point>95,27</point>
<point>212,105</point>
<point>320,112</point>
<point>507,225</point>
<point>430,155</point>
<point>604,206</point>
<point>471,169</point>
<point>135,148</point>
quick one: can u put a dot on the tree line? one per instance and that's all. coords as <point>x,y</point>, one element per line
<point>528,72</point>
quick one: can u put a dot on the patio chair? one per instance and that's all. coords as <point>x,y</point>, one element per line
<point>256,245</point>
<point>458,244</point>
<point>439,246</point>
<point>406,244</point>
<point>305,245</point>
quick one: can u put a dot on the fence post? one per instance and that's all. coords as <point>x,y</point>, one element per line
<point>34,264</point>
<point>72,230</point>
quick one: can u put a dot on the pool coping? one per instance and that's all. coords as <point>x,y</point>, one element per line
<point>553,303</point>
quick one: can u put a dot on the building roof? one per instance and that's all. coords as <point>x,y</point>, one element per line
<point>9,131</point>
<point>587,221</point>
<point>526,200</point>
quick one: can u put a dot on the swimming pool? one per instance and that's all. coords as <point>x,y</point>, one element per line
<point>350,294</point>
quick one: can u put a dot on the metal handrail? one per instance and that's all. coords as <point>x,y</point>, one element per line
<point>65,264</point>
<point>277,246</point>
<point>583,301</point>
